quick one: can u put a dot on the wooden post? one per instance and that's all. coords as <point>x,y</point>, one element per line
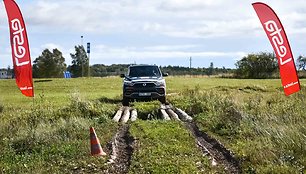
<point>133,115</point>
<point>126,115</point>
<point>183,115</point>
<point>118,115</point>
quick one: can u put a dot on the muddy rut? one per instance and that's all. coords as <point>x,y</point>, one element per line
<point>121,149</point>
<point>213,148</point>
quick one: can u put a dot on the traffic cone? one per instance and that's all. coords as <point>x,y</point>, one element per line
<point>96,149</point>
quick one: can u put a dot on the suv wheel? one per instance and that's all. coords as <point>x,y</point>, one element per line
<point>162,99</point>
<point>125,101</point>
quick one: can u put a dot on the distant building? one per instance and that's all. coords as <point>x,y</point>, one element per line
<point>6,73</point>
<point>3,74</point>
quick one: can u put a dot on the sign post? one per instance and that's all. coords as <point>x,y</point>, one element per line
<point>88,55</point>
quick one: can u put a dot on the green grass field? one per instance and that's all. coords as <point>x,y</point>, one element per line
<point>253,118</point>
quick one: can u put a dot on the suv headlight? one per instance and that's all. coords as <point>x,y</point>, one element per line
<point>160,83</point>
<point>128,83</point>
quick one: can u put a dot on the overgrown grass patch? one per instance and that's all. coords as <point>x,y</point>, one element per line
<point>62,147</point>
<point>147,110</point>
<point>263,128</point>
<point>54,140</point>
<point>1,107</point>
<point>166,147</point>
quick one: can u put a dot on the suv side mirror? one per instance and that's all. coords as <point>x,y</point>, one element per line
<point>165,74</point>
<point>122,75</point>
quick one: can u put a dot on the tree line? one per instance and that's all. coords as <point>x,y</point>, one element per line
<point>51,64</point>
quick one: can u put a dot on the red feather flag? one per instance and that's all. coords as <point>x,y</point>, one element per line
<point>20,49</point>
<point>278,38</point>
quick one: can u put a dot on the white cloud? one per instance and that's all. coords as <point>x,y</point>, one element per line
<point>173,18</point>
<point>169,47</point>
<point>163,51</point>
<point>189,5</point>
<point>124,30</point>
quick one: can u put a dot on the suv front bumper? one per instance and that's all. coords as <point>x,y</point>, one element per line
<point>144,93</point>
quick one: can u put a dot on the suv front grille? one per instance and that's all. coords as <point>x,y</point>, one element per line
<point>141,85</point>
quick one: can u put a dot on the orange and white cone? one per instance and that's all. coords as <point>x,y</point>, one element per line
<point>96,149</point>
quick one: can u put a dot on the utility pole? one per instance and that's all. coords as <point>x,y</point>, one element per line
<point>190,61</point>
<point>82,60</point>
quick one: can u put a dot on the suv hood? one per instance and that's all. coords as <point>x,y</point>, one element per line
<point>141,79</point>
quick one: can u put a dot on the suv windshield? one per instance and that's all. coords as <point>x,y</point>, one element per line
<point>144,71</point>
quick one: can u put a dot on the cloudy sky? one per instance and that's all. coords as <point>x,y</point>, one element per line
<point>162,32</point>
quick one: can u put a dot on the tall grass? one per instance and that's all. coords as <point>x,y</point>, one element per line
<point>48,140</point>
<point>147,110</point>
<point>1,108</point>
<point>279,122</point>
<point>265,129</point>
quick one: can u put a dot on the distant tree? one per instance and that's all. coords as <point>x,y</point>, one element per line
<point>79,67</point>
<point>10,72</point>
<point>177,70</point>
<point>49,64</point>
<point>211,69</point>
<point>223,70</point>
<point>301,63</point>
<point>261,65</point>
<point>100,70</point>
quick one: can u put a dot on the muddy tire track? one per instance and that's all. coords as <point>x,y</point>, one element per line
<point>210,146</point>
<point>121,147</point>
<point>123,142</point>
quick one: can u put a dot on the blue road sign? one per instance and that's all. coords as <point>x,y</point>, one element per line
<point>88,47</point>
<point>67,75</point>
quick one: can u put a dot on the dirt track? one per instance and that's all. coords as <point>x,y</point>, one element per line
<point>122,143</point>
<point>121,151</point>
<point>212,147</point>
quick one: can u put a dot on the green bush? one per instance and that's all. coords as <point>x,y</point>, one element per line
<point>88,109</point>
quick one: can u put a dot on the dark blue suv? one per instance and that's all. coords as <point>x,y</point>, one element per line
<point>144,82</point>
